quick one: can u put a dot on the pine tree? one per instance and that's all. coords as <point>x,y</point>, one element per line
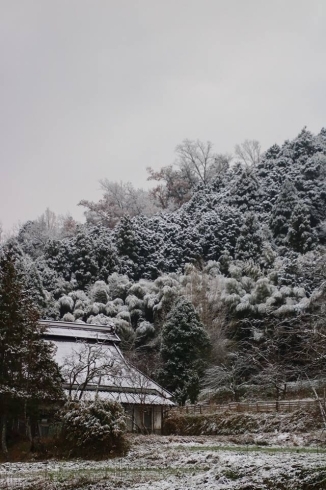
<point>126,244</point>
<point>282,211</point>
<point>184,350</point>
<point>300,235</point>
<point>250,241</point>
<point>28,373</point>
<point>245,194</point>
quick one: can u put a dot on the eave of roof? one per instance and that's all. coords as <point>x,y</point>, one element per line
<point>69,330</point>
<point>125,397</point>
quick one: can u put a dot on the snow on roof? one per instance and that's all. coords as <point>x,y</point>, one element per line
<point>127,398</point>
<point>112,373</point>
<point>80,331</point>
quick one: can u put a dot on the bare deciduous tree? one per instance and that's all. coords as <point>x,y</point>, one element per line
<point>195,163</point>
<point>248,152</point>
<point>175,189</point>
<point>86,365</point>
<point>229,377</point>
<point>119,199</point>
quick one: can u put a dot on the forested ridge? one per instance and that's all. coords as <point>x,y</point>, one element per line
<point>236,248</point>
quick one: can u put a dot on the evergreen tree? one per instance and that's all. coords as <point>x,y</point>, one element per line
<point>126,244</point>
<point>26,268</point>
<point>245,194</point>
<point>250,241</point>
<point>28,373</point>
<point>282,211</point>
<point>300,236</point>
<point>184,350</point>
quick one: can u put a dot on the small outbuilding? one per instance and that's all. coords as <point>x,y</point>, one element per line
<point>92,365</point>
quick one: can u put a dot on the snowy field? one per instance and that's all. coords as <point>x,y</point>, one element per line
<point>180,463</point>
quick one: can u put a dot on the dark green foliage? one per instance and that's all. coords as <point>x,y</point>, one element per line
<point>250,241</point>
<point>28,373</point>
<point>300,235</point>
<point>125,239</point>
<point>84,258</point>
<point>282,211</point>
<point>184,350</point>
<point>246,193</point>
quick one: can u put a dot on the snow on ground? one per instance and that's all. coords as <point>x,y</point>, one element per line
<point>179,463</point>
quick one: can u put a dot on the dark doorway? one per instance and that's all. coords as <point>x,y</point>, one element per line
<point>148,419</point>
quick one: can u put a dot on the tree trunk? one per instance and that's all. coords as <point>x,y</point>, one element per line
<point>29,430</point>
<point>4,436</point>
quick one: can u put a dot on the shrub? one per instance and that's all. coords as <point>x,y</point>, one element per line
<point>93,429</point>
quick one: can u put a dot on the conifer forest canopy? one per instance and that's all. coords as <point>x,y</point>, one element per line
<point>236,246</point>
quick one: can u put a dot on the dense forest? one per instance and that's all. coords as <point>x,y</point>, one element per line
<point>215,279</point>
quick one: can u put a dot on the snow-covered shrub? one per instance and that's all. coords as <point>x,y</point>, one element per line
<point>134,303</point>
<point>68,317</point>
<point>248,298</point>
<point>286,291</point>
<point>231,299</point>
<point>166,280</point>
<point>244,307</point>
<point>79,313</point>
<point>262,308</point>
<point>138,290</point>
<point>78,295</point>
<point>144,332</point>
<point>119,285</point>
<point>125,332</point>
<point>99,292</point>
<point>81,304</point>
<point>111,309</point>
<point>247,283</point>
<point>299,292</point>
<point>212,268</point>
<point>122,308</point>
<point>232,286</point>
<point>66,305</point>
<point>235,272</point>
<point>124,315</point>
<point>118,302</point>
<point>303,305</point>
<point>263,290</point>
<point>251,269</point>
<point>268,255</point>
<point>167,297</point>
<point>150,301</point>
<point>93,428</point>
<point>99,319</point>
<point>285,310</point>
<point>95,309</point>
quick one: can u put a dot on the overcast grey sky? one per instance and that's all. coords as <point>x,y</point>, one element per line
<point>104,88</point>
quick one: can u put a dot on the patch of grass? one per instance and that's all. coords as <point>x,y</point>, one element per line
<point>255,448</point>
<point>232,474</point>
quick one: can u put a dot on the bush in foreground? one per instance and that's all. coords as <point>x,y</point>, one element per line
<point>93,429</point>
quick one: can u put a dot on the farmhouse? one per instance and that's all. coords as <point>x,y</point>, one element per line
<point>92,366</point>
